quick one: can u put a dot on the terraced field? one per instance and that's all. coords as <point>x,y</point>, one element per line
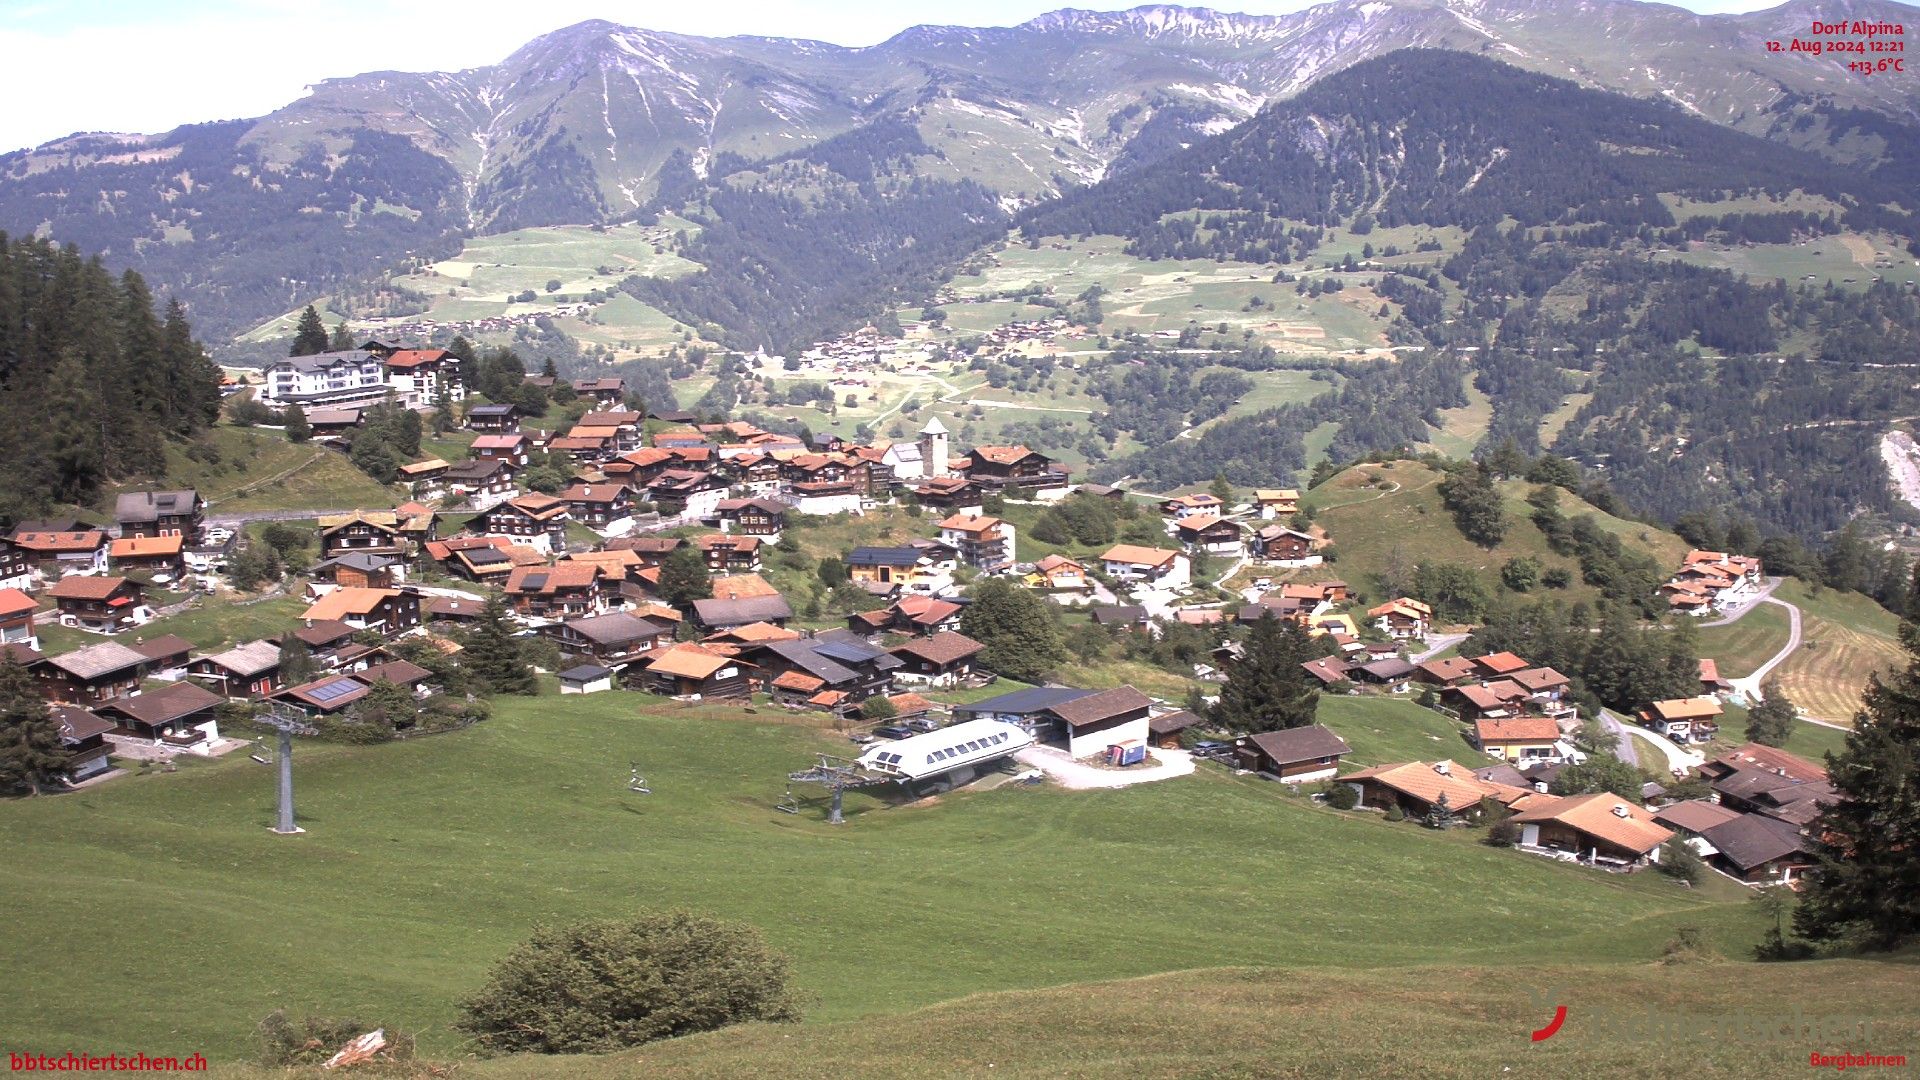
<point>1844,638</point>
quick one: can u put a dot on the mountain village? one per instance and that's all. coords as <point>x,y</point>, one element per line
<point>583,569</point>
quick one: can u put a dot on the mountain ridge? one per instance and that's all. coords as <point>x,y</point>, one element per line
<point>578,125</point>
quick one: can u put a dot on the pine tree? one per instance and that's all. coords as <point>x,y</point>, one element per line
<point>1021,638</point>
<point>294,419</point>
<point>684,577</point>
<point>296,660</point>
<point>310,336</point>
<point>1266,687</point>
<point>1771,722</point>
<point>493,656</point>
<point>1867,883</point>
<point>1221,488</point>
<point>342,339</point>
<point>31,754</point>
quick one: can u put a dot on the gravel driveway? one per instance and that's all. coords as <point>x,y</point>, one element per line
<point>1069,773</point>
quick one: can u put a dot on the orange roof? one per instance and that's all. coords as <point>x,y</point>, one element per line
<point>1198,522</point>
<point>657,611</point>
<point>687,660</point>
<point>1428,781</point>
<point>1695,708</point>
<point>1056,562</point>
<point>758,631</point>
<point>587,431</point>
<point>828,698</point>
<point>134,547</point>
<point>427,465</point>
<point>86,588</point>
<point>1412,609</point>
<point>799,681</point>
<point>538,506</point>
<point>907,704</point>
<point>60,541</point>
<point>1001,455</point>
<point>742,587</point>
<point>409,358</point>
<point>1500,663</point>
<point>1139,556</point>
<point>1602,815</point>
<point>440,549</point>
<point>1531,729</point>
<point>14,602</point>
<point>970,523</point>
<point>613,563</point>
<point>340,603</point>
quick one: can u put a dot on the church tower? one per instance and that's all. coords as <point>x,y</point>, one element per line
<point>933,448</point>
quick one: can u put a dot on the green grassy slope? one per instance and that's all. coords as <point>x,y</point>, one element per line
<point>1249,1022</point>
<point>427,860</point>
<point>1369,510</point>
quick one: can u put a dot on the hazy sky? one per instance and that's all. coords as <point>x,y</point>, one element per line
<point>138,65</point>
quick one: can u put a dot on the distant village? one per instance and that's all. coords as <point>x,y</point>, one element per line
<point>586,569</point>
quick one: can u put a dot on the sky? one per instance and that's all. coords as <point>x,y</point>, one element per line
<point>142,66</point>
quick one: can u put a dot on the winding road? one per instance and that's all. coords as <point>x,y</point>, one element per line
<point>1749,685</point>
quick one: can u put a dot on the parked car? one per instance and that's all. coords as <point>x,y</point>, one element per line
<point>1211,748</point>
<point>923,724</point>
<point>861,738</point>
<point>892,731</point>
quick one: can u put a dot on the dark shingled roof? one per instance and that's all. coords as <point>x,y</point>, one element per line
<point>1026,702</point>
<point>1173,723</point>
<point>1752,840</point>
<point>945,647</point>
<point>1105,705</point>
<point>725,613</point>
<point>1308,743</point>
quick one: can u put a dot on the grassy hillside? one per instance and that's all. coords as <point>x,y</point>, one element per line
<point>427,860</point>
<point>1741,647</point>
<point>1263,1022</point>
<point>258,469</point>
<point>1844,637</point>
<point>1370,510</point>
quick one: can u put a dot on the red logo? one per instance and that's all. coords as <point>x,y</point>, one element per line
<point>1553,1026</point>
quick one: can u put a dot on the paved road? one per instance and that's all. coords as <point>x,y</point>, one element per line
<point>1623,743</point>
<point>1750,685</point>
<point>1436,646</point>
<point>1740,612</point>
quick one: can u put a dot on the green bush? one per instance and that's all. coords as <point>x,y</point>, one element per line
<point>1342,796</point>
<point>1394,813</point>
<point>608,984</point>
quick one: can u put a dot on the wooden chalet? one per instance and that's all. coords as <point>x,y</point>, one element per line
<point>104,605</point>
<point>1296,755</point>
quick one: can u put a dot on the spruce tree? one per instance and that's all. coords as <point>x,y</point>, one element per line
<point>684,577</point>
<point>31,755</point>
<point>1021,638</point>
<point>1266,687</point>
<point>342,339</point>
<point>493,656</point>
<point>1867,884</point>
<point>310,336</point>
<point>294,419</point>
<point>1771,722</point>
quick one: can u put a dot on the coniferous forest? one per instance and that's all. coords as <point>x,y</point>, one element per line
<point>94,379</point>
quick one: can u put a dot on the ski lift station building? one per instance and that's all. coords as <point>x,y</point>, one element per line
<point>948,757</point>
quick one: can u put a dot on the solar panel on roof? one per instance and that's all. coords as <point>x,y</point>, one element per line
<point>333,691</point>
<point>535,581</point>
<point>847,650</point>
<point>485,556</point>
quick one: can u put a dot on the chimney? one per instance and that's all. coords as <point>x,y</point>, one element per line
<point>1620,810</point>
<point>1444,768</point>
